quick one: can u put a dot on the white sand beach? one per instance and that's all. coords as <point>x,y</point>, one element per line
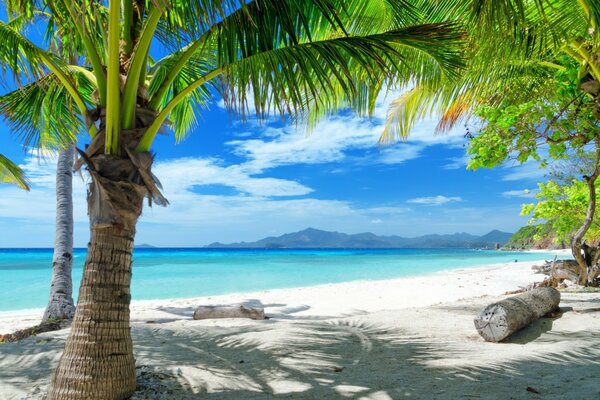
<point>402,338</point>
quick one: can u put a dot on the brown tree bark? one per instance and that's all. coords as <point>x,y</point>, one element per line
<point>98,360</point>
<point>577,239</point>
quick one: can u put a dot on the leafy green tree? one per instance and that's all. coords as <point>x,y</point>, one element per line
<point>303,58</point>
<point>519,53</point>
<point>560,122</point>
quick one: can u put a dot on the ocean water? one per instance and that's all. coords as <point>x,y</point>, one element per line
<point>179,273</point>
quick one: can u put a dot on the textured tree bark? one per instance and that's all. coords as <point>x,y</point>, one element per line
<point>577,239</point>
<point>500,320</point>
<point>60,303</point>
<point>98,360</point>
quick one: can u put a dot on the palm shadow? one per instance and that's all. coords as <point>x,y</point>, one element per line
<point>350,357</point>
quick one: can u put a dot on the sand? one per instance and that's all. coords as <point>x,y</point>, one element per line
<point>402,338</point>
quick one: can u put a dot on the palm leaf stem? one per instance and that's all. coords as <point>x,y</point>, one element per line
<point>91,52</point>
<point>113,97</point>
<point>152,130</point>
<point>188,52</point>
<point>137,65</point>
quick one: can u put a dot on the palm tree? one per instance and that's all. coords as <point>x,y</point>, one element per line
<point>516,49</point>
<point>288,56</point>
<point>60,303</point>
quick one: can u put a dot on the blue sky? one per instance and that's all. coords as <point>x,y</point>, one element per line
<point>232,181</point>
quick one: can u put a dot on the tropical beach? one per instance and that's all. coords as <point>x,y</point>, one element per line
<point>400,338</point>
<point>311,199</point>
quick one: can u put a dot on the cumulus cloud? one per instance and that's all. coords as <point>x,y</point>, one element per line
<point>434,200</point>
<point>186,173</point>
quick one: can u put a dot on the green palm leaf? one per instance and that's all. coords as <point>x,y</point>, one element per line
<point>11,173</point>
<point>42,114</point>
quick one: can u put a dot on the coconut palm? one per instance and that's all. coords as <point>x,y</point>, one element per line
<point>60,302</point>
<point>513,50</point>
<point>517,50</point>
<point>287,56</point>
<point>45,111</point>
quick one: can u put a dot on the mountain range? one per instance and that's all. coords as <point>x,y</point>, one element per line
<point>315,238</point>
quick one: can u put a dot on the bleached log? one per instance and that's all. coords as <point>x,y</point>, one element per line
<point>211,312</point>
<point>500,320</point>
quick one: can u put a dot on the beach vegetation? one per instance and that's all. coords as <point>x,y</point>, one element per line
<point>532,87</point>
<point>558,122</point>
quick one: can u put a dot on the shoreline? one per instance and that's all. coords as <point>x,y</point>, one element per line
<point>409,337</point>
<point>489,279</point>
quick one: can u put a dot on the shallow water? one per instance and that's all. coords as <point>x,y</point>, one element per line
<point>172,273</point>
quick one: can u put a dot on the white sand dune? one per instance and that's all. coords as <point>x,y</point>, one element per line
<point>403,338</point>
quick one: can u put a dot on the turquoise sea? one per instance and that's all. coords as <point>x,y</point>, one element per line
<point>172,273</point>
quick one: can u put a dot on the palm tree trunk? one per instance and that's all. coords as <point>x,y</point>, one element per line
<point>98,360</point>
<point>60,303</point>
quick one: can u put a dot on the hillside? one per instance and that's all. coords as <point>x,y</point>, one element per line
<point>533,237</point>
<point>315,238</point>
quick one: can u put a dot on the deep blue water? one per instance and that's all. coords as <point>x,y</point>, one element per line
<point>171,273</point>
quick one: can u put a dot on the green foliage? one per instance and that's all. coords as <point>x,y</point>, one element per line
<point>564,207</point>
<point>11,173</point>
<point>303,58</point>
<point>531,236</point>
<point>553,125</point>
<point>513,47</point>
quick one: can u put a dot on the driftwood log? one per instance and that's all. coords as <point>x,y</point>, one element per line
<point>211,312</point>
<point>499,320</point>
<point>558,271</point>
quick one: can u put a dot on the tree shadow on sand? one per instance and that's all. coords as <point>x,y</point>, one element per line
<point>343,358</point>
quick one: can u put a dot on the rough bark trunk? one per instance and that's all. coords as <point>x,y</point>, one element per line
<point>60,303</point>
<point>500,320</point>
<point>98,360</point>
<point>577,239</point>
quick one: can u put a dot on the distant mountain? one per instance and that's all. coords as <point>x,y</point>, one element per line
<point>315,238</point>
<point>143,246</point>
<point>496,236</point>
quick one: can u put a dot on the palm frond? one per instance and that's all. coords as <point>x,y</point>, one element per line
<point>336,73</point>
<point>42,113</point>
<point>11,173</point>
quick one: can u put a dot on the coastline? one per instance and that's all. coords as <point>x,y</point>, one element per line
<point>406,337</point>
<point>419,290</point>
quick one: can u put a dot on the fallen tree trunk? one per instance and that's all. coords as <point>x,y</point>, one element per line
<point>211,312</point>
<point>565,269</point>
<point>499,320</point>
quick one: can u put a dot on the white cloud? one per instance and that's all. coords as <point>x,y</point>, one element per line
<point>434,200</point>
<point>457,162</point>
<point>185,173</point>
<point>528,171</point>
<point>524,193</point>
<point>195,219</point>
<point>333,137</point>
